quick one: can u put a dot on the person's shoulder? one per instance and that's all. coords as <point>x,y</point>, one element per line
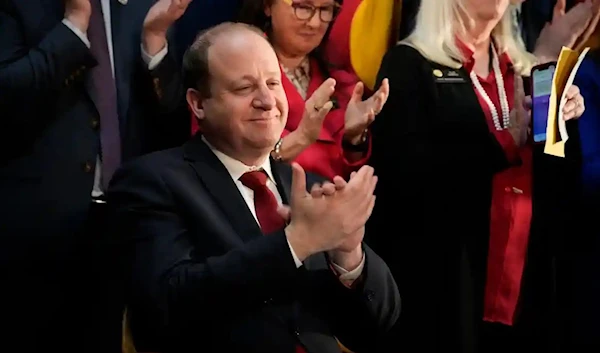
<point>406,59</point>
<point>149,166</point>
<point>159,159</point>
<point>406,52</point>
<point>405,64</point>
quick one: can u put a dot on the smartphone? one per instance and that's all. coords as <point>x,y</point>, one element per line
<point>541,87</point>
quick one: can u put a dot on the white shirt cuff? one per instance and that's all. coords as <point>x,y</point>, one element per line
<point>153,61</point>
<point>346,275</point>
<point>296,259</point>
<point>77,31</point>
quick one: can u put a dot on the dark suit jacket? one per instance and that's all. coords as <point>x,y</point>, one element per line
<point>435,158</point>
<point>49,141</point>
<point>583,236</point>
<point>203,272</point>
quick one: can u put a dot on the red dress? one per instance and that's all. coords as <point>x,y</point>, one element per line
<point>326,156</point>
<point>511,209</point>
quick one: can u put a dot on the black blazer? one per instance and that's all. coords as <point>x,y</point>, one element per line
<point>436,158</point>
<point>203,273</point>
<point>49,140</point>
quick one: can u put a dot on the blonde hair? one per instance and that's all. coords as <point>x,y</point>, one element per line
<point>438,23</point>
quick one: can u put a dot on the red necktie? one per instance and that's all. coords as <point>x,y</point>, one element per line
<point>265,204</point>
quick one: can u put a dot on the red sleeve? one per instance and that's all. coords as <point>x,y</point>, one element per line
<point>511,150</point>
<point>352,166</point>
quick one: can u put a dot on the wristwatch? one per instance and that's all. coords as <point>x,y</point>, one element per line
<point>276,153</point>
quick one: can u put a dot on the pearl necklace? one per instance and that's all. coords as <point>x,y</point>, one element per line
<point>501,92</point>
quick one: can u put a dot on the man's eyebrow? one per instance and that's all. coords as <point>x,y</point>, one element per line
<point>274,73</point>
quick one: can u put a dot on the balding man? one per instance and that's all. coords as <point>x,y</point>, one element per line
<point>216,267</point>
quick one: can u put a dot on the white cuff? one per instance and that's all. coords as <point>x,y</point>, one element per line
<point>346,275</point>
<point>77,31</point>
<point>296,259</point>
<point>153,61</point>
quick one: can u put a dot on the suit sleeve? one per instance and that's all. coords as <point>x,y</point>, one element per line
<point>172,272</point>
<point>363,314</point>
<point>30,73</point>
<point>167,81</point>
<point>588,122</point>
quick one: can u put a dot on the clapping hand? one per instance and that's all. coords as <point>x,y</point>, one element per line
<point>316,109</point>
<point>331,217</point>
<point>569,29</point>
<point>360,114</point>
<point>159,19</point>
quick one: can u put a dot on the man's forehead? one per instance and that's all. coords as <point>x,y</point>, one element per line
<point>238,54</point>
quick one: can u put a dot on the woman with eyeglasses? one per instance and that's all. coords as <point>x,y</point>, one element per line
<point>328,121</point>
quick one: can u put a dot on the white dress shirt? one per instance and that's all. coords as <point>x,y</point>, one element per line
<point>236,169</point>
<point>151,61</point>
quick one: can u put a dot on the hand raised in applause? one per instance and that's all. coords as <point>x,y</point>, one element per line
<point>78,12</point>
<point>159,19</point>
<point>329,220</point>
<point>361,113</point>
<point>316,109</point>
<point>570,29</point>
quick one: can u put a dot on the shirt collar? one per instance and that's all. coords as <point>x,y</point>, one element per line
<point>505,62</point>
<point>236,168</point>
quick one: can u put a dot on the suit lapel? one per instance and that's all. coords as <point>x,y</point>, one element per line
<point>224,191</point>
<point>283,178</point>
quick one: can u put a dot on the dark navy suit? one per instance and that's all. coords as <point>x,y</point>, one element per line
<point>586,239</point>
<point>55,290</point>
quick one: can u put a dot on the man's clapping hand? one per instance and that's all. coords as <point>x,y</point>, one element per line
<point>332,216</point>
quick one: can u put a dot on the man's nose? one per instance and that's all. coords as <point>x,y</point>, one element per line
<point>265,99</point>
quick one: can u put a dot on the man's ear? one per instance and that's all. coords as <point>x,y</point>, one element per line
<point>194,101</point>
